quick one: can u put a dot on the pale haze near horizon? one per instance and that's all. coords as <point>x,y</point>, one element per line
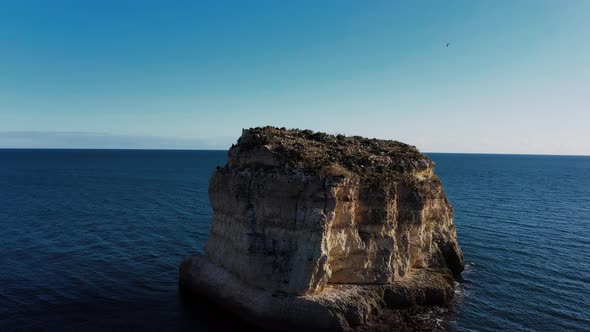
<point>120,74</point>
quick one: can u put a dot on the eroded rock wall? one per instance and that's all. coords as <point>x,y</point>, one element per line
<point>291,229</point>
<point>269,229</point>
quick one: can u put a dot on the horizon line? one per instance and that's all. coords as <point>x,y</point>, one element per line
<point>205,149</point>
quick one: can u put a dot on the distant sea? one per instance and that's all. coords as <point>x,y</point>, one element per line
<point>91,240</point>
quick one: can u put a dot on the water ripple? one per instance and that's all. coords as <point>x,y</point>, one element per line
<point>96,237</point>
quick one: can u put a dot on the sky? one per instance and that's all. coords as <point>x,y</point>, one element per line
<point>191,74</point>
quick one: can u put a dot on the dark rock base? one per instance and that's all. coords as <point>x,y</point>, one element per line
<point>340,307</point>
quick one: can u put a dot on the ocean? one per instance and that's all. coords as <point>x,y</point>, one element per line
<point>91,240</point>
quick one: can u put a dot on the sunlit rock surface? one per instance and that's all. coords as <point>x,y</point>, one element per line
<point>332,228</point>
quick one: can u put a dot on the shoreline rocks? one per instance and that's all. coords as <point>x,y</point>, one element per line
<point>337,307</point>
<point>324,232</point>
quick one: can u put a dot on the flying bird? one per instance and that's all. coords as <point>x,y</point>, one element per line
<point>448,44</point>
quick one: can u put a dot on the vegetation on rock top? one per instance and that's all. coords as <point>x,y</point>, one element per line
<point>335,155</point>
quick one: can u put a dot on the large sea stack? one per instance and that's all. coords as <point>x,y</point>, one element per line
<point>324,232</point>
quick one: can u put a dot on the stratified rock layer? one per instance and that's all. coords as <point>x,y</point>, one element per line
<point>296,211</point>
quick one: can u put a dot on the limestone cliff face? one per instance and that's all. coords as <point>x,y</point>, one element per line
<point>294,211</point>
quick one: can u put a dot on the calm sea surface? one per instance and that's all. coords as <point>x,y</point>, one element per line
<point>92,239</point>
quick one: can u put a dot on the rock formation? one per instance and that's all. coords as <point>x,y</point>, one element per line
<point>325,232</point>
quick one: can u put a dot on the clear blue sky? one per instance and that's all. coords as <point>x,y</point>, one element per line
<point>175,74</point>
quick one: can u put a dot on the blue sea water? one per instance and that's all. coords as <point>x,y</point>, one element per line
<point>92,239</point>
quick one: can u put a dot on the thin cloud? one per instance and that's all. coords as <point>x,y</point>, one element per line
<point>95,140</point>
